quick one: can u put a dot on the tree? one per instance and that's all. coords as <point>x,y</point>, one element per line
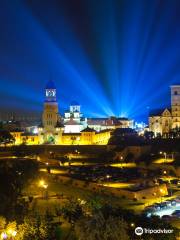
<point>2,222</point>
<point>129,157</point>
<point>148,135</point>
<point>8,229</point>
<point>36,228</point>
<point>48,219</point>
<point>98,227</point>
<point>16,174</point>
<point>94,204</point>
<point>72,211</point>
<point>6,137</point>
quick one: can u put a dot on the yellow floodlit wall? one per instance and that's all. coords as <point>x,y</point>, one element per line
<point>84,138</point>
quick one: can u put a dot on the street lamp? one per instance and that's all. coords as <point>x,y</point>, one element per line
<point>121,158</point>
<point>165,155</point>
<point>44,186</point>
<point>161,190</point>
<point>107,176</point>
<point>132,224</point>
<point>41,183</point>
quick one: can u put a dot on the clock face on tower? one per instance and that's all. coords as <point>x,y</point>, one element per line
<point>50,93</point>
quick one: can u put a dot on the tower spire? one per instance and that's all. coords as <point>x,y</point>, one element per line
<point>50,92</point>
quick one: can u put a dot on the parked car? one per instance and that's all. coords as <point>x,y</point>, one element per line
<point>168,203</point>
<point>148,212</point>
<point>176,213</point>
<point>157,206</point>
<point>163,206</point>
<point>173,202</point>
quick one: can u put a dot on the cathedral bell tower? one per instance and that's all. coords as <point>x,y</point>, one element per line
<point>50,114</point>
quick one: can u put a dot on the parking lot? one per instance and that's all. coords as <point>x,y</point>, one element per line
<point>167,210</point>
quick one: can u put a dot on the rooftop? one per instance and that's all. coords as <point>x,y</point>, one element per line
<point>72,122</point>
<point>29,134</point>
<point>16,130</point>
<point>88,129</point>
<point>158,112</point>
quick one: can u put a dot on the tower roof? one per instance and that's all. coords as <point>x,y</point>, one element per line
<point>50,85</point>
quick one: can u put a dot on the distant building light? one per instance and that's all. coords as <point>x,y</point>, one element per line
<point>35,130</point>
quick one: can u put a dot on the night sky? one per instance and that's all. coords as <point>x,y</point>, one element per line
<point>113,57</point>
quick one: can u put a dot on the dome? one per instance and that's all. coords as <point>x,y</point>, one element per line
<point>50,85</point>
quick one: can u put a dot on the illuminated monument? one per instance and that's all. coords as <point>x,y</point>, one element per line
<point>73,119</point>
<point>72,128</point>
<point>164,120</point>
<point>50,115</point>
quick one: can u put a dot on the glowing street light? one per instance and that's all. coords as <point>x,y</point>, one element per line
<point>165,155</point>
<point>44,186</point>
<point>41,183</point>
<point>12,232</point>
<point>161,190</point>
<point>4,236</point>
<point>132,224</point>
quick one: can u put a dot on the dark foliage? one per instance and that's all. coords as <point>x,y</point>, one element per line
<point>14,175</point>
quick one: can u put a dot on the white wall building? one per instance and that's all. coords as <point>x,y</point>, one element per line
<point>164,120</point>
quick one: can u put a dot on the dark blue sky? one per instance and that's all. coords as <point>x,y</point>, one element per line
<point>113,57</point>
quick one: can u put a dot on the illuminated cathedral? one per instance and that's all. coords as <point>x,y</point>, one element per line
<point>72,128</point>
<point>163,121</point>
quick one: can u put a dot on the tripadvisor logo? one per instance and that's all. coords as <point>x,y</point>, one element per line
<point>139,231</point>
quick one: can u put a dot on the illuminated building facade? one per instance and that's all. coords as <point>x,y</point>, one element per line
<point>163,121</point>
<point>74,122</point>
<point>72,128</point>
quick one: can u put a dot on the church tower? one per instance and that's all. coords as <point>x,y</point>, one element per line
<point>175,105</point>
<point>50,115</point>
